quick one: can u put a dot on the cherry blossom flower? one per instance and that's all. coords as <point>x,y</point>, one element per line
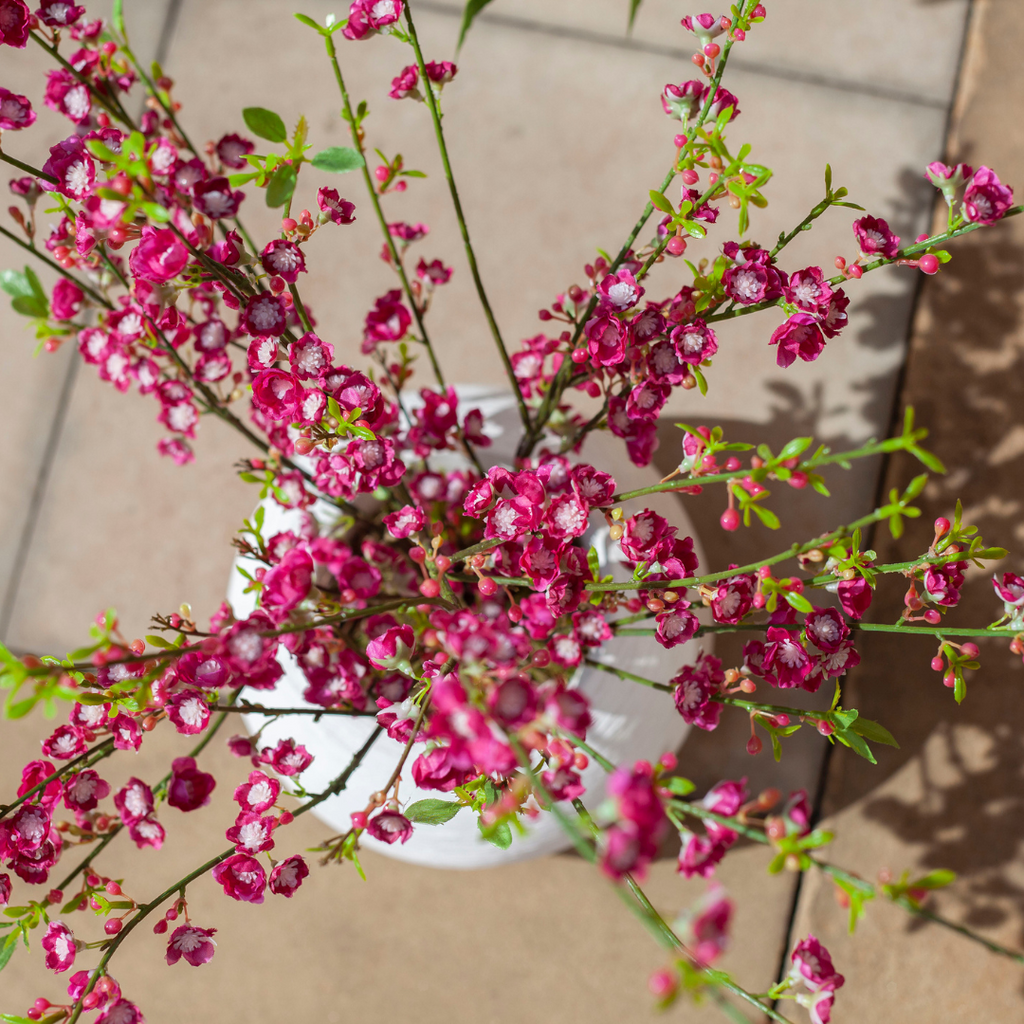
<point>188,711</point>
<point>695,685</point>
<point>242,878</point>
<point>875,237</point>
<point>287,876</point>
<point>390,827</point>
<point>189,788</point>
<point>195,944</point>
<point>59,944</point>
<point>15,111</point>
<point>987,198</point>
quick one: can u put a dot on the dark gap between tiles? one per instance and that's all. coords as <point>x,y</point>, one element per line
<point>895,418</point>
<point>38,495</point>
<point>749,67</point>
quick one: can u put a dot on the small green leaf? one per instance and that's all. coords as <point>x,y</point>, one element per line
<point>660,202</point>
<point>158,641</point>
<point>935,880</point>
<point>237,180</point>
<point>117,18</point>
<point>469,13</point>
<point>634,6</point>
<point>432,811</point>
<point>281,186</point>
<point>768,517</point>
<point>680,786</point>
<point>337,159</point>
<point>856,743</point>
<point>265,123</point>
<point>306,20</point>
<point>15,283</point>
<point>594,562</point>
<point>794,448</point>
<point>799,602</point>
<point>500,835</point>
<point>29,305</point>
<point>6,952</point>
<point>874,732</point>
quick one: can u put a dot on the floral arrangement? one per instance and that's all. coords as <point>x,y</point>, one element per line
<point>454,605</point>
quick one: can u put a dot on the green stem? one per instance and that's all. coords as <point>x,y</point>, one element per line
<point>939,632</point>
<point>28,168</point>
<point>300,308</point>
<point>101,750</point>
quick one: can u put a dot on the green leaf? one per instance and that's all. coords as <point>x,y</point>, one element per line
<point>265,123</point>
<point>594,562</point>
<point>306,20</point>
<point>799,602</point>
<point>117,18</point>
<point>337,159</point>
<point>934,880</point>
<point>634,6</point>
<point>680,786</point>
<point>158,641</point>
<point>702,383</point>
<point>15,283</point>
<point>469,12</point>
<point>6,952</point>
<point>768,517</point>
<point>794,448</point>
<point>281,186</point>
<point>874,732</point>
<point>856,743</point>
<point>432,812</point>
<point>500,835</point>
<point>828,173</point>
<point>29,305</point>
<point>819,837</point>
<point>660,202</point>
<point>931,461</point>
<point>237,180</point>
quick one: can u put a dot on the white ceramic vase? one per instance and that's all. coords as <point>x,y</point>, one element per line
<point>630,722</point>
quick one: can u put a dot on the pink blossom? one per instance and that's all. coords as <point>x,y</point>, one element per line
<point>367,17</point>
<point>283,258</point>
<point>121,1012</point>
<point>310,358</point>
<point>682,101</point>
<point>435,770</point>
<point>337,209</point>
<point>708,929</point>
<point>875,237</point>
<point>15,111</point>
<point>159,256</point>
<point>264,315</point>
<point>233,149</point>
<point>390,827</point>
<point>59,944</point>
<point>287,876</point>
<point>723,99</point>
<point>799,336</point>
<point>68,96</point>
<point>694,341</point>
<point>698,855</point>
<point>276,393</point>
<point>67,741</point>
<point>812,965</point>
<point>35,772</point>
<point>392,649</point>
<point>695,686</point>
<point>563,784</point>
<point>14,23</point>
<point>676,624</point>
<point>987,198</point>
<point>407,520</point>
<point>733,599</point>
<point>644,534</point>
<point>5,889</point>
<point>216,198</point>
<point>809,290</point>
<point>260,793</point>
<point>189,788</point>
<point>835,318</point>
<point>785,658</point>
<point>69,163</point>
<point>287,584</point>
<point>606,340</point>
<point>242,877</point>
<point>252,833</point>
<point>134,801</point>
<point>440,72</point>
<point>188,711</point>
<point>404,86</point>
<point>435,272</point>
<point>854,596</point>
<point>195,944</point>
<point>59,13</point>
<point>127,733</point>
<point>84,790</point>
<point>287,758</point>
<point>620,290</point>
<point>389,320</point>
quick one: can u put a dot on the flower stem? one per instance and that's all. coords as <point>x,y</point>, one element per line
<point>435,115</point>
<point>91,292</point>
<point>28,168</point>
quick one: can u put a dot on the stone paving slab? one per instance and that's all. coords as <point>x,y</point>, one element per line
<point>951,797</point>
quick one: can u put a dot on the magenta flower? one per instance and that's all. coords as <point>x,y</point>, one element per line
<point>216,198</point>
<point>121,1012</point>
<point>695,686</point>
<point>709,928</point>
<point>785,658</point>
<point>563,784</point>
<point>196,945</point>
<point>68,96</point>
<point>287,758</point>
<point>189,788</point>
<point>134,801</point>
<point>367,17</point>
<point>287,876</point>
<point>276,393</point>
<point>733,600</point>
<point>826,629</point>
<point>260,793</point>
<point>66,300</point>
<point>127,733</point>
<point>159,256</point>
<point>875,238</point>
<point>694,341</point>
<point>812,965</point>
<point>284,259</point>
<point>407,520</point>
<point>242,877</point>
<point>390,827</point>
<point>15,111</point>
<point>34,773</point>
<point>265,315</point>
<point>287,584</point>
<point>699,855</point>
<point>854,596</point>
<point>84,790</point>
<point>682,101</point>
<point>835,318</point>
<point>606,340</point>
<point>404,86</point>
<point>309,357</point>
<point>14,23</point>
<point>799,336</point>
<point>59,944</point>
<point>5,889</point>
<point>69,163</point>
<point>809,290</point>
<point>59,13</point>
<point>620,291</point>
<point>986,198</point>
<point>189,711</point>
<point>67,741</point>
<point>389,320</point>
<point>676,624</point>
<point>337,209</point>
<point>252,833</point>
<point>392,649</point>
<point>233,149</point>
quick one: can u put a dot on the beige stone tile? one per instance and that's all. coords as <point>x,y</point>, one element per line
<point>909,47</point>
